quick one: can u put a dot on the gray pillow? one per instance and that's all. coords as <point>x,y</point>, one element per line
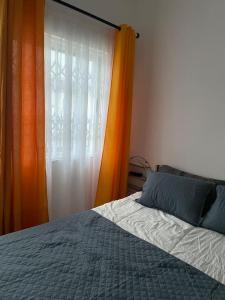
<point>179,196</point>
<point>175,171</point>
<point>215,218</point>
<point>212,196</point>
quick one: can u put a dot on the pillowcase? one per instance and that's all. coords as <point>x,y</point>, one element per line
<point>212,196</point>
<point>215,218</point>
<point>180,196</point>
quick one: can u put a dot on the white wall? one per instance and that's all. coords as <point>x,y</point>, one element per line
<point>116,11</point>
<point>143,22</point>
<point>185,121</point>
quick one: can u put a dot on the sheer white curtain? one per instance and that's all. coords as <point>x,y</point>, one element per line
<point>78,66</point>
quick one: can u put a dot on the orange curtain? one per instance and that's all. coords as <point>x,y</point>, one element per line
<point>22,157</point>
<point>3,48</point>
<point>113,175</point>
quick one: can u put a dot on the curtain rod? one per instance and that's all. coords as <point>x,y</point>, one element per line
<point>90,15</point>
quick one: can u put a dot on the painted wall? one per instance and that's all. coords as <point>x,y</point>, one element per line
<point>116,11</point>
<point>181,120</point>
<point>144,21</point>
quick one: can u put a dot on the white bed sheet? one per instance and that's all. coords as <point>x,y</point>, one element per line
<point>199,247</point>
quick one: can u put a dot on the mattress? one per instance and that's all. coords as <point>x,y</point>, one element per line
<point>120,250</point>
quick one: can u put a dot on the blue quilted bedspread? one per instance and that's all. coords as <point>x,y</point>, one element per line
<point>88,257</point>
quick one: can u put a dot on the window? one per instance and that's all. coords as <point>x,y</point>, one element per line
<point>78,64</point>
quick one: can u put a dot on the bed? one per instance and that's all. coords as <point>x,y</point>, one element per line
<point>121,250</point>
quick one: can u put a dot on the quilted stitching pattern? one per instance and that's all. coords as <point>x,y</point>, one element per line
<point>88,257</point>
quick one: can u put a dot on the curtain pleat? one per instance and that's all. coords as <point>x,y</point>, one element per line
<point>112,183</point>
<point>23,179</point>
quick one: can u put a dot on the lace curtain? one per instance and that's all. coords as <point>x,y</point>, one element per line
<point>78,65</point>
